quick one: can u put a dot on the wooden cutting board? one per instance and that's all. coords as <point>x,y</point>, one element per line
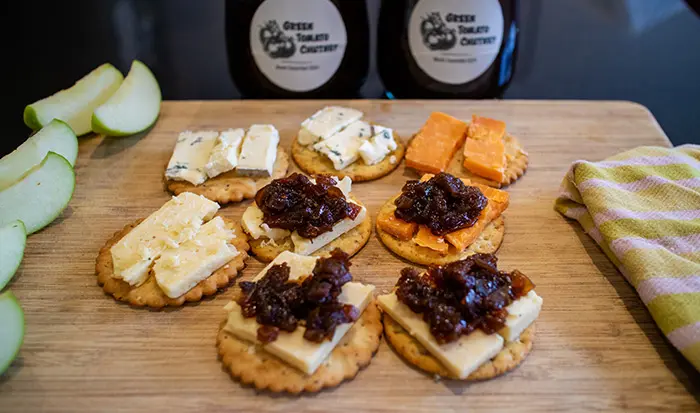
<point>597,348</point>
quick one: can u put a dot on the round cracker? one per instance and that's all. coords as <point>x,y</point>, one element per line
<point>149,294</point>
<point>252,365</point>
<point>516,164</point>
<point>488,242</point>
<point>513,353</point>
<point>350,243</point>
<point>229,187</point>
<point>315,163</point>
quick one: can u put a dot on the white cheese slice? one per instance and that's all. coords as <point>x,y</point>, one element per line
<point>306,246</point>
<point>344,184</point>
<point>521,313</point>
<point>190,156</point>
<point>177,221</point>
<point>299,265</point>
<point>252,223</point>
<point>292,347</point>
<point>460,357</point>
<point>325,123</point>
<point>224,156</point>
<point>179,269</point>
<point>259,151</point>
<point>342,148</point>
<point>252,220</point>
<point>375,149</point>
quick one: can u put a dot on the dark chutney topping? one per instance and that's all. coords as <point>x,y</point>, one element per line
<point>279,304</point>
<point>443,203</point>
<point>460,297</point>
<point>297,204</point>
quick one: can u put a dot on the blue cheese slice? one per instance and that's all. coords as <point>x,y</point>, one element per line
<point>342,148</point>
<point>177,221</point>
<point>375,149</point>
<point>292,347</point>
<point>224,155</point>
<point>259,151</point>
<point>521,313</point>
<point>325,123</point>
<point>460,357</point>
<point>306,246</point>
<point>190,156</point>
<point>179,269</point>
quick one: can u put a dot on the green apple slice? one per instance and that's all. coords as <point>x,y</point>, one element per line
<point>133,108</point>
<point>13,238</point>
<point>57,137</point>
<point>12,328</point>
<point>40,196</point>
<point>76,104</point>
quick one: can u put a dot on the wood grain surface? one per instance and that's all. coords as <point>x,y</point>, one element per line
<point>597,348</point>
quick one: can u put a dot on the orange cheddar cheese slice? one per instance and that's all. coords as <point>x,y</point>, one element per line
<point>436,143</point>
<point>425,238</point>
<point>399,228</point>
<point>497,196</point>
<point>498,202</point>
<point>484,150</point>
<point>462,238</point>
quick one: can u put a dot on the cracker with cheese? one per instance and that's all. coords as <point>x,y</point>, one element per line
<point>178,254</point>
<point>479,323</point>
<point>302,324</point>
<point>309,216</point>
<point>481,151</point>
<point>337,141</point>
<point>226,167</point>
<point>466,218</point>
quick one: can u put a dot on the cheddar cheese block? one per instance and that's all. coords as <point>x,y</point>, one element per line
<point>498,201</point>
<point>387,221</point>
<point>425,238</point>
<point>436,143</point>
<point>484,149</point>
<point>462,238</point>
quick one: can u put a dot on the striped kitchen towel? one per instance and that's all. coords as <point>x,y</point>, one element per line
<point>643,208</point>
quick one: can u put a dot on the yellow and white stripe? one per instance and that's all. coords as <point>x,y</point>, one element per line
<point>643,208</point>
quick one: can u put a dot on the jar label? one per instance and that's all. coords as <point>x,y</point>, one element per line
<point>298,45</point>
<point>455,41</point>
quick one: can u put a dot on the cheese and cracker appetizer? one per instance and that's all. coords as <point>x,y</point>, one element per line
<point>179,253</point>
<point>288,328</point>
<point>226,167</point>
<point>337,141</point>
<point>441,219</point>
<point>310,216</point>
<point>481,151</point>
<point>465,320</point>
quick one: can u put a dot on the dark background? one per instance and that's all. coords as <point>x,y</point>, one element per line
<point>647,51</point>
